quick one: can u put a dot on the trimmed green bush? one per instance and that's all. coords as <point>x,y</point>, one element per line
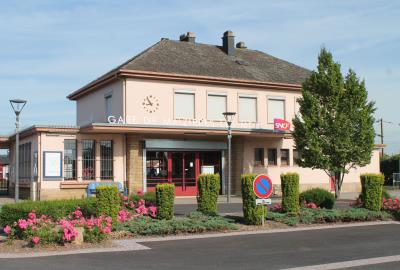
<point>56,209</point>
<point>252,213</point>
<point>165,195</point>
<point>148,197</point>
<point>290,192</point>
<point>321,197</point>
<point>107,201</point>
<point>372,186</point>
<point>208,190</point>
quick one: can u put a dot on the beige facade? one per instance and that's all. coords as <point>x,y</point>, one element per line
<point>162,111</point>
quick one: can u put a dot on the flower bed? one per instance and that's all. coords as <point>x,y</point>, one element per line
<point>195,222</point>
<point>318,216</point>
<point>76,227</point>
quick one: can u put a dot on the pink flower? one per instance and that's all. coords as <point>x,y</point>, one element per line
<point>7,229</point>
<point>106,230</point>
<point>32,215</point>
<point>153,211</point>
<point>277,207</point>
<point>140,209</point>
<point>77,213</point>
<point>141,202</point>
<point>125,198</point>
<point>140,193</point>
<point>123,216</point>
<point>35,240</point>
<point>22,224</point>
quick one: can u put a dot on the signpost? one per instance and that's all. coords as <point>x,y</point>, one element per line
<point>262,187</point>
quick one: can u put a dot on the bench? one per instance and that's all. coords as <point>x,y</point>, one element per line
<point>91,188</point>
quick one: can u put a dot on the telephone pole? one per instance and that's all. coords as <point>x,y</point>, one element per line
<point>381,121</point>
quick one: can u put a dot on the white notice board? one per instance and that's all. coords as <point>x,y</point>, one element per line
<point>52,164</point>
<point>207,169</point>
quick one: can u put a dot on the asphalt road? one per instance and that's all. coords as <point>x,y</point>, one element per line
<point>262,251</point>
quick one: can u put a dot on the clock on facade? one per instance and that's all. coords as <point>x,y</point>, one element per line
<point>150,104</point>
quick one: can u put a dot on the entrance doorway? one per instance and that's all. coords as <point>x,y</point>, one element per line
<point>180,168</point>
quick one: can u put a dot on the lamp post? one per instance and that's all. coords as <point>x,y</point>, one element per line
<point>17,105</point>
<point>229,119</point>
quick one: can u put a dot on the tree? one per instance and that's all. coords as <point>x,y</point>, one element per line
<point>334,131</point>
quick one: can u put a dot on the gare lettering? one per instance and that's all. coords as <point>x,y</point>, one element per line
<point>280,124</point>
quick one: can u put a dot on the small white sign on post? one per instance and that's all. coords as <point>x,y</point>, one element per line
<point>263,201</point>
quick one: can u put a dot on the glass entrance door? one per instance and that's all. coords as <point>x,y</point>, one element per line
<point>184,171</point>
<point>180,168</point>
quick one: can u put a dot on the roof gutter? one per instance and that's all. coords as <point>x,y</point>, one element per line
<point>149,75</point>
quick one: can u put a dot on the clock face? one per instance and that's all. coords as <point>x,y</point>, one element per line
<point>150,104</point>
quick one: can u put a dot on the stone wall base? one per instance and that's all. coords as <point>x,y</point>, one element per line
<point>56,194</point>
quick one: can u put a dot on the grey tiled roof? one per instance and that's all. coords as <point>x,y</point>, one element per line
<point>185,58</point>
<point>179,57</point>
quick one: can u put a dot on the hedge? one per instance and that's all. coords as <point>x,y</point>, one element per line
<point>371,190</point>
<point>208,191</point>
<point>290,192</point>
<point>321,197</point>
<point>56,209</point>
<point>252,213</point>
<point>107,201</point>
<point>165,195</point>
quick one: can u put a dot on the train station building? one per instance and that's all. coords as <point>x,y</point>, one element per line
<point>158,118</point>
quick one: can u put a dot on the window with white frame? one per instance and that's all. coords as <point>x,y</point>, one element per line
<point>108,104</point>
<point>216,105</point>
<point>276,108</point>
<point>184,105</point>
<point>247,108</point>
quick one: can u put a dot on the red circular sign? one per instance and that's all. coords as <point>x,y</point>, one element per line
<point>262,186</point>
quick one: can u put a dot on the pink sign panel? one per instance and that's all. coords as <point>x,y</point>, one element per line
<point>280,124</point>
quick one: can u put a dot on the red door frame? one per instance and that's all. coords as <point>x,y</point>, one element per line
<point>184,190</point>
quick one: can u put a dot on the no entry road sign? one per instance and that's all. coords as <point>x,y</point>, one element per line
<point>262,186</point>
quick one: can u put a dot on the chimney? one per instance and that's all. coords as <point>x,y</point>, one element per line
<point>228,43</point>
<point>188,37</point>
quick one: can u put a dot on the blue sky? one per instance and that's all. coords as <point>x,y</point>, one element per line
<point>50,48</point>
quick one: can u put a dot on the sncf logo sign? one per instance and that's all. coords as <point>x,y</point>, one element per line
<point>280,124</point>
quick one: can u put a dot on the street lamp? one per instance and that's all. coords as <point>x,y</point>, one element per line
<point>17,105</point>
<point>229,119</point>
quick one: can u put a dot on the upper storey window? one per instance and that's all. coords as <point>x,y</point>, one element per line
<point>247,108</point>
<point>184,105</point>
<point>216,105</point>
<point>276,108</point>
<point>108,105</point>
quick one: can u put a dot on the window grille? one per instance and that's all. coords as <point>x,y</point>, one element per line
<point>88,160</point>
<point>70,157</point>
<point>106,160</point>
